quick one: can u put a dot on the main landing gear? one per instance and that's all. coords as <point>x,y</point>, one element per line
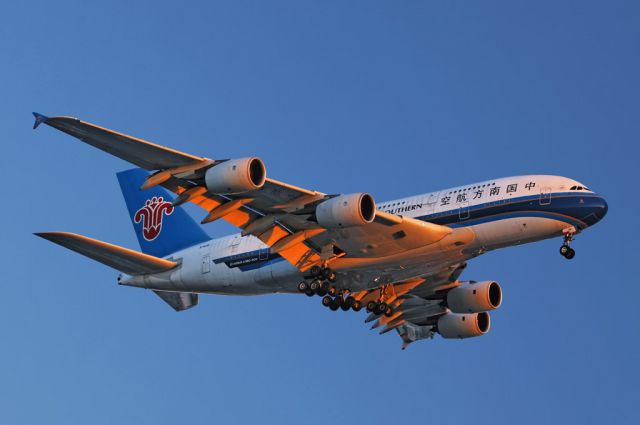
<point>321,283</point>
<point>565,250</point>
<point>341,302</point>
<point>381,306</point>
<point>339,299</point>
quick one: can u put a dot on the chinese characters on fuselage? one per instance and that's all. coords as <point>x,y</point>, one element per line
<point>480,192</point>
<point>487,191</point>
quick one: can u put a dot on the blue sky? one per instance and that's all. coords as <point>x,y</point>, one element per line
<point>394,98</point>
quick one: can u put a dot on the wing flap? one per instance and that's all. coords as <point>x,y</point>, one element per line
<point>123,259</point>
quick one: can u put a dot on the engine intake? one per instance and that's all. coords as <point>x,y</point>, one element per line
<point>355,209</point>
<point>453,325</point>
<point>475,297</point>
<point>236,176</point>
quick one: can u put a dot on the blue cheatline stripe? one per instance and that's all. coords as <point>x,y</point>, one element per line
<point>519,214</point>
<point>261,264</point>
<point>570,208</point>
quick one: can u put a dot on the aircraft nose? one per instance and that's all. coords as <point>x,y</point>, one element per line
<point>601,208</point>
<point>597,208</point>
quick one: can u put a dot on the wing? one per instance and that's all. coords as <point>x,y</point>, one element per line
<point>415,304</point>
<point>279,214</point>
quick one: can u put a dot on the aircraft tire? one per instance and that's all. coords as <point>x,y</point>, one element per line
<point>315,271</point>
<point>315,285</point>
<point>371,305</point>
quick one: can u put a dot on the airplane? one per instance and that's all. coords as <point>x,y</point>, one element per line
<point>401,260</point>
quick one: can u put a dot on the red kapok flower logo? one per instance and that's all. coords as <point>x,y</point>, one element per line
<point>151,216</point>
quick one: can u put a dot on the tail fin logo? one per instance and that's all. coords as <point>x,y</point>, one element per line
<point>151,216</point>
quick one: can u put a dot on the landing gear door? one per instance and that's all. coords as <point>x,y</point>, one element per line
<point>545,196</point>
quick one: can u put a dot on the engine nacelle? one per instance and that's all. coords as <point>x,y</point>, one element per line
<point>453,325</point>
<point>236,176</point>
<point>355,209</point>
<point>475,297</point>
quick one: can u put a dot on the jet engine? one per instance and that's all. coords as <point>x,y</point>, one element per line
<point>453,325</point>
<point>355,209</point>
<point>475,297</point>
<point>236,176</point>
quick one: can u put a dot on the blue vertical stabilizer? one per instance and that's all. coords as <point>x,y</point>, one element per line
<point>161,228</point>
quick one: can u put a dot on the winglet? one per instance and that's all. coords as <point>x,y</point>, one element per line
<point>39,119</point>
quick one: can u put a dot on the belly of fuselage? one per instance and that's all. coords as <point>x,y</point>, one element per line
<point>256,271</point>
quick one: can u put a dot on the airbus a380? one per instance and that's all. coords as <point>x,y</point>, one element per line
<point>400,260</point>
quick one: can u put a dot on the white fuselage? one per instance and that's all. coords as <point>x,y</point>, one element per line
<point>487,215</point>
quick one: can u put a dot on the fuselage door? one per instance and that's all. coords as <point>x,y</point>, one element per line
<point>545,196</point>
<point>432,200</point>
<point>206,258</point>
<point>463,212</point>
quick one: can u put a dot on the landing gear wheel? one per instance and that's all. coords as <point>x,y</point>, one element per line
<point>334,305</point>
<point>309,293</point>
<point>332,277</point>
<point>332,291</point>
<point>380,308</point>
<point>324,273</point>
<point>357,306</point>
<point>570,254</point>
<point>326,301</point>
<point>315,285</point>
<point>347,303</point>
<point>371,305</point>
<point>388,312</point>
<point>564,249</point>
<point>315,271</point>
<point>302,286</point>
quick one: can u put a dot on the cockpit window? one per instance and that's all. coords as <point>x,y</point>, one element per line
<point>578,188</point>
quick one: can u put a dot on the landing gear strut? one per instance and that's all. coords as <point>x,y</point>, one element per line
<point>565,250</point>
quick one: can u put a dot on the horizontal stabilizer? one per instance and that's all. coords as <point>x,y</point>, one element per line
<point>179,300</point>
<point>125,260</point>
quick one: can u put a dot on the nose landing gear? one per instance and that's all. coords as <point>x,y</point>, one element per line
<point>565,250</point>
